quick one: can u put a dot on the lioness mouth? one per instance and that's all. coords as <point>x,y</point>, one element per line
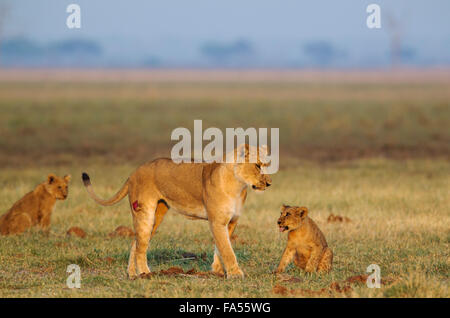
<point>257,188</point>
<point>284,228</point>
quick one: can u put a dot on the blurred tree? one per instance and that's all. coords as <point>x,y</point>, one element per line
<point>226,53</point>
<point>395,33</point>
<point>407,53</point>
<point>4,10</point>
<point>20,47</point>
<point>74,52</point>
<point>321,52</point>
<point>151,62</point>
<point>75,47</point>
<point>397,26</point>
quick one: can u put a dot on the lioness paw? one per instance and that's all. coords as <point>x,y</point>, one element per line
<point>235,274</point>
<point>217,269</point>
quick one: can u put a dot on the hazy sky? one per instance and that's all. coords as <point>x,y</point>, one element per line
<point>175,28</point>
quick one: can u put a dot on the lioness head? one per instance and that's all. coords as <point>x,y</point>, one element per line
<point>291,217</point>
<point>57,187</point>
<point>250,169</point>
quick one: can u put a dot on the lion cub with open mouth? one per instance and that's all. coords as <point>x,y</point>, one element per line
<point>306,243</point>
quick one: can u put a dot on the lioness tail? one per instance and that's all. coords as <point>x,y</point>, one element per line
<point>116,198</point>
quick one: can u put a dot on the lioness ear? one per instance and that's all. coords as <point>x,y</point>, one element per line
<point>242,151</point>
<point>263,151</point>
<point>51,178</point>
<point>67,177</point>
<point>302,212</point>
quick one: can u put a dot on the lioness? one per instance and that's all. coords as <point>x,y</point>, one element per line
<point>208,191</point>
<point>306,243</point>
<point>36,207</point>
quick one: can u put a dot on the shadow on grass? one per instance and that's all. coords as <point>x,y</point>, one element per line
<point>156,257</point>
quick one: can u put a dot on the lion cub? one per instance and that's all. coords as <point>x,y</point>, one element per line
<point>36,207</point>
<point>306,244</point>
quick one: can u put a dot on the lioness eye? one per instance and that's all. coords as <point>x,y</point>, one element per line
<point>287,214</point>
<point>258,166</point>
<point>59,188</point>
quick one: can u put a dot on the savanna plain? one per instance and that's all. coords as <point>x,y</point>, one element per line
<point>370,147</point>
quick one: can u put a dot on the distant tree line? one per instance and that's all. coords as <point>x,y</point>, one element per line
<point>237,52</point>
<point>20,51</point>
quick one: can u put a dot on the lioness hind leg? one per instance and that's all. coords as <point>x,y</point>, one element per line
<point>216,266</point>
<point>326,261</point>
<point>20,224</point>
<point>143,220</point>
<point>132,262</point>
<point>161,210</point>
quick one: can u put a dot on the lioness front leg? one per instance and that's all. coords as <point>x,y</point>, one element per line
<point>223,244</point>
<point>216,266</point>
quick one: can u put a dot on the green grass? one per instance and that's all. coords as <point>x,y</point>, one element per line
<point>375,153</point>
<point>399,213</point>
<point>54,123</point>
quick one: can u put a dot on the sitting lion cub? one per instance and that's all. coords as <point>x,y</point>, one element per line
<point>35,208</point>
<point>306,243</point>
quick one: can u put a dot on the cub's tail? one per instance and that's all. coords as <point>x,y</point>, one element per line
<point>116,198</point>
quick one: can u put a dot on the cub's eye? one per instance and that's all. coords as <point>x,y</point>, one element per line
<point>287,214</point>
<point>59,187</point>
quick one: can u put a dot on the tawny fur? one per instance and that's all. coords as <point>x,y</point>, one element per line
<point>306,243</point>
<point>208,191</point>
<point>36,207</point>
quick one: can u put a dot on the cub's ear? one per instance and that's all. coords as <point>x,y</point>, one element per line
<point>302,212</point>
<point>51,178</point>
<point>67,177</point>
<point>284,207</point>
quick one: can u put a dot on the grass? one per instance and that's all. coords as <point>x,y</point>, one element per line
<point>59,123</point>
<point>383,163</point>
